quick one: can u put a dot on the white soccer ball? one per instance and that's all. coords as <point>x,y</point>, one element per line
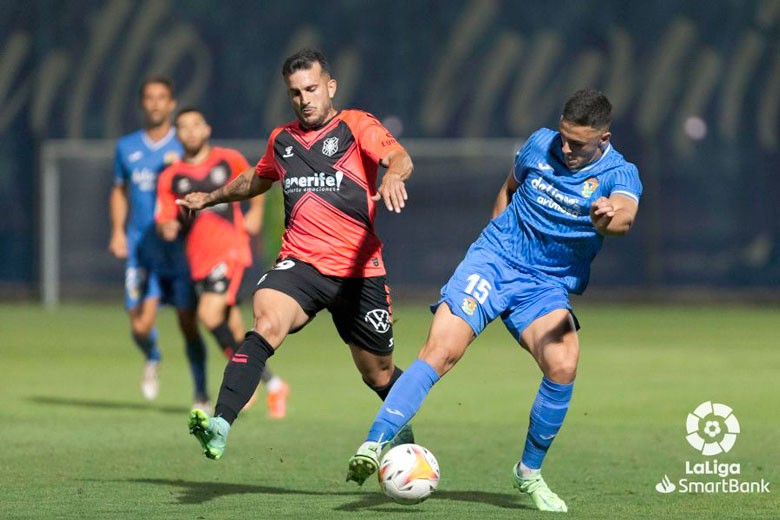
<point>409,474</point>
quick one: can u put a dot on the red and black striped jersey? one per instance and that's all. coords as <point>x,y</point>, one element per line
<point>328,176</point>
<point>217,234</point>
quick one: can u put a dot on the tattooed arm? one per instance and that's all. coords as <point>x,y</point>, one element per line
<point>245,186</point>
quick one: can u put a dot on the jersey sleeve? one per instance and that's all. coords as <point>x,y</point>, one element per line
<point>120,174</point>
<point>266,166</point>
<point>626,182</point>
<point>536,145</point>
<point>521,161</point>
<point>374,139</point>
<point>165,207</point>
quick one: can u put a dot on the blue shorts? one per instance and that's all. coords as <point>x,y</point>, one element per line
<point>146,276</point>
<point>484,286</point>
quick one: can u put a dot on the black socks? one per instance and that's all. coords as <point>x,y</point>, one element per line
<point>225,339</point>
<point>382,391</point>
<point>242,375</point>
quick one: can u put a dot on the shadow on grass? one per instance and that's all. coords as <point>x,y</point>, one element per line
<point>200,492</point>
<point>110,405</point>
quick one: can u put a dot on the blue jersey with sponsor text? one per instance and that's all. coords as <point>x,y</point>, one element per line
<point>546,228</point>
<point>137,165</point>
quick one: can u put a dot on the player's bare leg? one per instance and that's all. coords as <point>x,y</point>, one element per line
<point>447,341</point>
<point>212,309</point>
<point>142,320</point>
<point>275,315</point>
<point>553,343</point>
<point>213,312</point>
<point>375,369</point>
<point>380,373</point>
<point>236,322</point>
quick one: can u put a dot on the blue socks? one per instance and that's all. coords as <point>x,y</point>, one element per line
<point>409,392</point>
<point>196,355</point>
<point>148,345</point>
<point>547,416</point>
<point>403,401</point>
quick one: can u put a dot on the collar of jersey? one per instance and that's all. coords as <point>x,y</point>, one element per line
<point>152,145</point>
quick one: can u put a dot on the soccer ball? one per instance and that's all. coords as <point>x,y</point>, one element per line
<point>408,474</point>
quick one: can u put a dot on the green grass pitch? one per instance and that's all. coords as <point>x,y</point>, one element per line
<point>78,441</point>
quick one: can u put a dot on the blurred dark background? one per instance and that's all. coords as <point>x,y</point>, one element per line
<point>695,86</point>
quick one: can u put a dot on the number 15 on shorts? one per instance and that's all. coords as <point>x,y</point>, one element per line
<point>478,287</point>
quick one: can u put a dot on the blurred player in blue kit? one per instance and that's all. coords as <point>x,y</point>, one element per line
<point>567,191</point>
<point>156,271</point>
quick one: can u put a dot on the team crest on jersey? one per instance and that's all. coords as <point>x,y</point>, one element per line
<point>469,305</point>
<point>218,175</point>
<point>171,157</point>
<point>288,152</point>
<point>330,146</point>
<point>589,187</point>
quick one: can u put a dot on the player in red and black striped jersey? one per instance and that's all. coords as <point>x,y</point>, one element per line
<point>217,240</point>
<point>331,258</point>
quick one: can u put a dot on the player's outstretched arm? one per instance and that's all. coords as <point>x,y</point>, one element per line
<point>505,194</point>
<point>245,186</point>
<point>614,215</point>
<point>393,190</point>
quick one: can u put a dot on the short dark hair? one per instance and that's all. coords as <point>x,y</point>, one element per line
<point>189,110</point>
<point>588,107</point>
<point>155,79</point>
<point>304,59</point>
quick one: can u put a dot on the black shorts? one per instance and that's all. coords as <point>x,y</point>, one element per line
<point>361,307</point>
<point>225,278</point>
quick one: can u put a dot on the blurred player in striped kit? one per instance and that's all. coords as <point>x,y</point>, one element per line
<point>216,240</point>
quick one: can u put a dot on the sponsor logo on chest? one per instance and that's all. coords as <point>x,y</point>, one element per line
<point>318,182</point>
<point>551,197</point>
<point>145,179</point>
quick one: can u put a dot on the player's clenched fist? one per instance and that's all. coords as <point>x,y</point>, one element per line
<point>194,201</point>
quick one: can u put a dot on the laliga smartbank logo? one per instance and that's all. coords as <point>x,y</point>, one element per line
<point>712,429</point>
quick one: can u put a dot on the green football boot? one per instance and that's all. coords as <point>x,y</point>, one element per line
<point>211,432</point>
<point>539,492</point>
<point>364,463</point>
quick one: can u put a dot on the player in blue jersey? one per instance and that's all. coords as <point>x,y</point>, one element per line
<point>156,271</point>
<point>567,191</point>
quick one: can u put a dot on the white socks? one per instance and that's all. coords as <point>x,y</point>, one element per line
<point>273,384</point>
